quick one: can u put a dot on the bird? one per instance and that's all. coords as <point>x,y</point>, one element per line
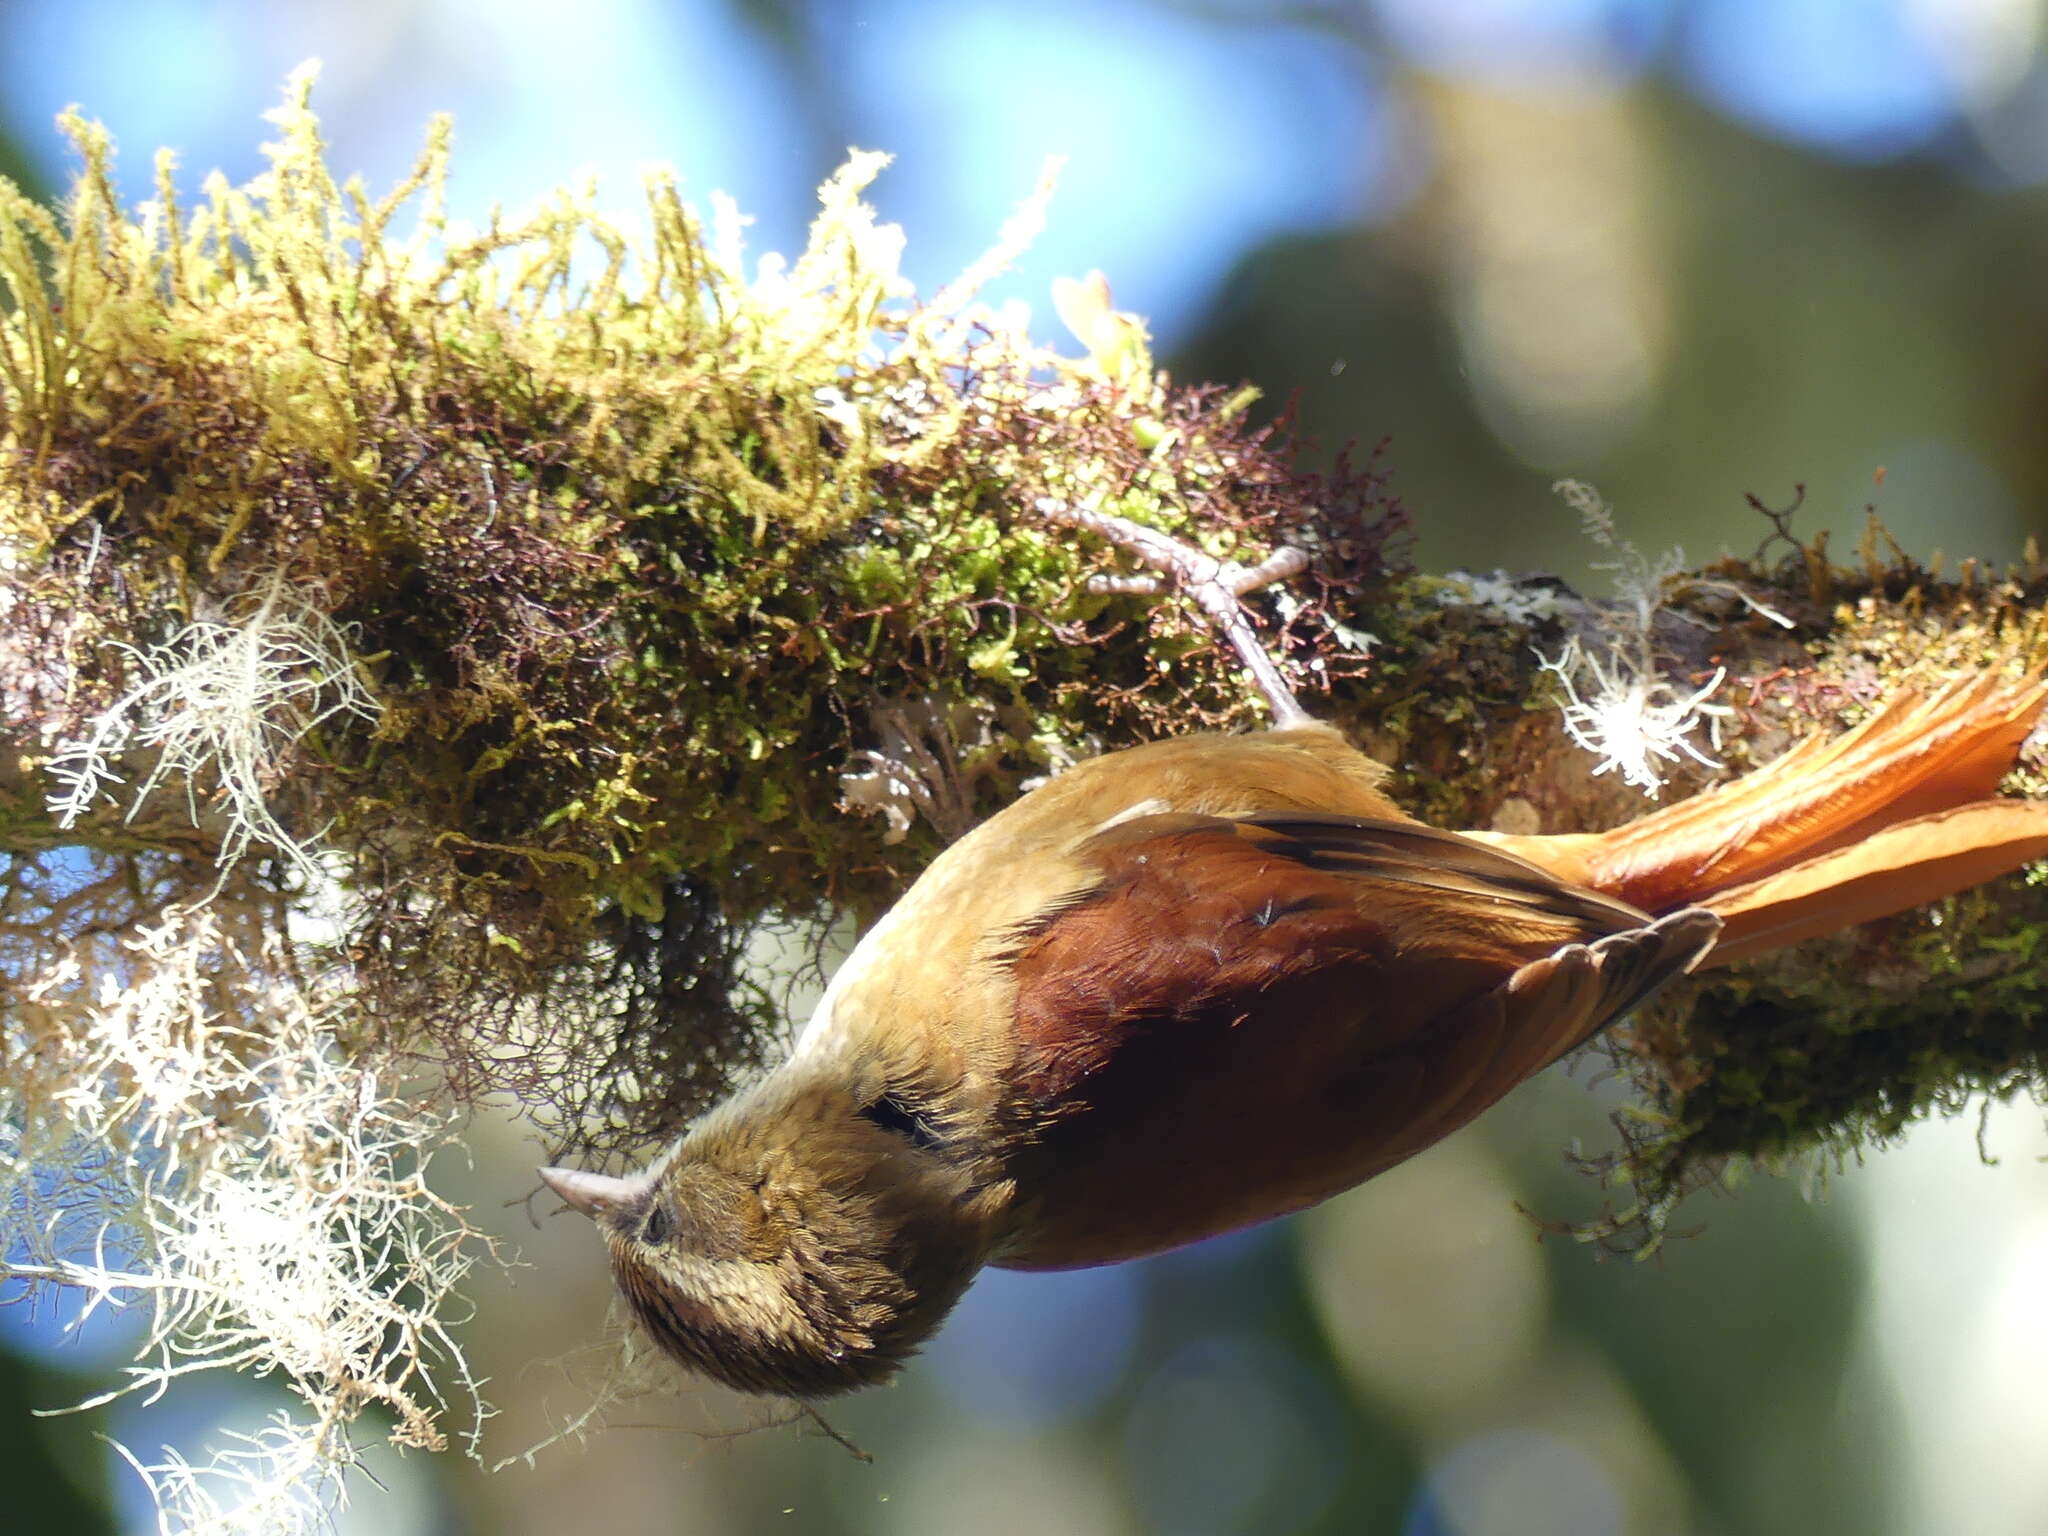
<point>1207,981</point>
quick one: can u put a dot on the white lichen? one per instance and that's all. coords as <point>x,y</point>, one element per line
<point>1641,584</point>
<point>276,1479</point>
<point>223,705</point>
<point>186,1134</point>
<point>1357,641</point>
<point>1633,720</point>
<point>1517,601</point>
<point>1618,705</point>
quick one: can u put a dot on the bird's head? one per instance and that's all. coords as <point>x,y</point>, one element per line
<point>797,1242</point>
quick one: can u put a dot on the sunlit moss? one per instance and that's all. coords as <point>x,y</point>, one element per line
<point>645,557</point>
<point>630,541</point>
<point>457,659</point>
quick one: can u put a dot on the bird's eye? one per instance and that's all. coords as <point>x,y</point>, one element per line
<point>657,1226</point>
<point>899,1119</point>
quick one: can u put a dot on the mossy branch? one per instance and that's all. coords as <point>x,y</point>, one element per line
<point>513,624</point>
<point>606,563</point>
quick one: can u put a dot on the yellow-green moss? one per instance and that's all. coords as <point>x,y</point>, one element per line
<point>630,542</point>
<point>635,549</point>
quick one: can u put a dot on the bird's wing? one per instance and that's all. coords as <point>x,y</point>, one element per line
<point>1205,916</point>
<point>1255,1012</point>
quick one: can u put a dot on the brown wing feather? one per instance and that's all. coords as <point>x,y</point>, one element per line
<point>1246,1015</point>
<point>1413,854</point>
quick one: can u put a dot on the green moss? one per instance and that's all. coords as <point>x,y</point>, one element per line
<point>630,543</point>
<point>640,553</point>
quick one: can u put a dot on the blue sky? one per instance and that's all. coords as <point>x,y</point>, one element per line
<point>1192,133</point>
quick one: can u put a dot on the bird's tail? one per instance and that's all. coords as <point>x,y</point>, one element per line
<point>1896,812</point>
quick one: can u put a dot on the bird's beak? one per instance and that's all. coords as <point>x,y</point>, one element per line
<point>596,1194</point>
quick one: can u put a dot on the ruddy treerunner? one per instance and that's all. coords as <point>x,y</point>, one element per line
<point>1205,982</point>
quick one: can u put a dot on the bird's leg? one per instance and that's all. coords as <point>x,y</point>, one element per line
<point>1215,585</point>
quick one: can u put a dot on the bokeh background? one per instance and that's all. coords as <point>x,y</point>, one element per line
<point>1685,249</point>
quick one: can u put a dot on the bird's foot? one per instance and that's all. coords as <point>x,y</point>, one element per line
<point>1215,585</point>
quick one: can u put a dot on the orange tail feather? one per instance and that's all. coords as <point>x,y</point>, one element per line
<point>1902,866</point>
<point>1891,814</point>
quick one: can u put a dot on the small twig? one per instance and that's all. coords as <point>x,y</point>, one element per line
<point>490,492</point>
<point>1127,586</point>
<point>1283,564</point>
<point>817,1418</point>
<point>406,474</point>
<point>1781,523</point>
<point>92,557</point>
<point>1215,585</point>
